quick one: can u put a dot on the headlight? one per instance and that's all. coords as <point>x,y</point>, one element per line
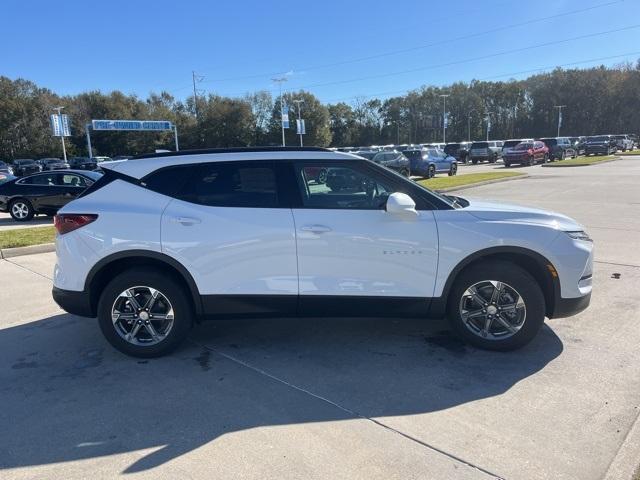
<point>580,235</point>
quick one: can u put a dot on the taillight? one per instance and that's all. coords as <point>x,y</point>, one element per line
<point>68,222</point>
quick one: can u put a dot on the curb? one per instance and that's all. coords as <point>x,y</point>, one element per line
<point>625,463</point>
<point>30,250</point>
<point>479,184</point>
<point>560,165</point>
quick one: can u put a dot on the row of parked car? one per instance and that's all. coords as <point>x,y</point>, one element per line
<point>27,166</point>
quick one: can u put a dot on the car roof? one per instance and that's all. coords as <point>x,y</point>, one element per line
<point>142,165</point>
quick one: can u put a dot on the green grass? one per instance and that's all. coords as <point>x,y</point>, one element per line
<point>22,237</point>
<point>630,152</point>
<point>438,183</point>
<point>574,162</point>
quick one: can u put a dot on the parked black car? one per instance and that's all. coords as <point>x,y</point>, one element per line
<point>25,166</point>
<point>83,163</point>
<point>600,145</point>
<point>52,164</point>
<point>560,148</point>
<point>395,161</point>
<point>43,193</point>
<point>459,151</point>
<point>578,144</point>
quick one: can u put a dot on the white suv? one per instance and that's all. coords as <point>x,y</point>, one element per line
<point>166,240</point>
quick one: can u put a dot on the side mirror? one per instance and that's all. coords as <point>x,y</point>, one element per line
<point>401,204</point>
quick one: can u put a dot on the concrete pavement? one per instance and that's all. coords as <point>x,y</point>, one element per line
<point>334,398</point>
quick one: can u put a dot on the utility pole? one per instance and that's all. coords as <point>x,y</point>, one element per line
<point>444,118</point>
<point>64,149</point>
<point>195,78</point>
<point>559,107</point>
<point>279,81</point>
<point>299,108</point>
<point>469,125</point>
<point>488,118</point>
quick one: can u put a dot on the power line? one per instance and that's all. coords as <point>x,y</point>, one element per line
<point>458,62</point>
<point>420,47</point>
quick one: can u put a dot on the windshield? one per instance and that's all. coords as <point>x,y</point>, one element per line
<point>24,162</point>
<point>523,146</point>
<point>413,154</point>
<point>479,145</point>
<point>598,139</point>
<point>367,155</point>
<point>511,143</point>
<point>452,147</point>
<point>550,141</point>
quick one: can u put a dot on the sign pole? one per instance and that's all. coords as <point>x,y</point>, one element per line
<point>64,150</point>
<point>87,127</point>
<point>175,133</point>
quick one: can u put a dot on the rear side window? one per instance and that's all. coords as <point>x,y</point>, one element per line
<point>233,184</point>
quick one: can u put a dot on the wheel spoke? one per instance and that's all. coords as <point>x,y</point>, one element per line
<point>487,326</point>
<point>476,296</point>
<point>497,290</point>
<point>132,334</point>
<point>130,294</point>
<point>152,331</point>
<point>117,315</point>
<point>506,324</point>
<point>152,299</point>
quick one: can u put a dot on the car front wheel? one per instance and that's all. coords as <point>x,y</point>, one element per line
<point>496,305</point>
<point>144,313</point>
<point>453,170</point>
<point>21,210</point>
<point>431,171</point>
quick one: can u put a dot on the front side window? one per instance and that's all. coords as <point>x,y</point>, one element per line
<point>70,180</point>
<point>233,184</point>
<point>346,187</point>
<point>49,180</point>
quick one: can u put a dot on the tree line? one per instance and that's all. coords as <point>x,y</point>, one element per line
<point>597,100</point>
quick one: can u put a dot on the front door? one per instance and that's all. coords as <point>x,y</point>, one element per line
<point>353,256</point>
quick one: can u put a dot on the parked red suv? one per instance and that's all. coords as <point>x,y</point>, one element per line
<point>526,153</point>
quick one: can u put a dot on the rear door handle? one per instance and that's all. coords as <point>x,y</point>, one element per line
<point>315,228</point>
<point>186,220</point>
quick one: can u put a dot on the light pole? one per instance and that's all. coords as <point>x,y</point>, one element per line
<point>299,108</point>
<point>279,81</point>
<point>444,118</point>
<point>469,125</point>
<point>488,118</point>
<point>64,149</point>
<point>559,107</point>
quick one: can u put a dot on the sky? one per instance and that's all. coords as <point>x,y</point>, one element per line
<point>338,50</point>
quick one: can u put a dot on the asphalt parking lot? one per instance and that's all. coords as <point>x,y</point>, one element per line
<point>333,398</point>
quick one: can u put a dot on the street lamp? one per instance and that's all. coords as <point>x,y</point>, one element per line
<point>279,81</point>
<point>469,124</point>
<point>444,118</point>
<point>64,150</point>
<point>299,108</point>
<point>559,107</point>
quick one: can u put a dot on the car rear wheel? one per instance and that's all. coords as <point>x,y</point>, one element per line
<point>453,170</point>
<point>144,313</point>
<point>405,172</point>
<point>532,161</point>
<point>496,306</point>
<point>21,210</point>
<point>507,164</point>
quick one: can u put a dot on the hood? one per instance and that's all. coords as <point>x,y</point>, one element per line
<point>504,212</point>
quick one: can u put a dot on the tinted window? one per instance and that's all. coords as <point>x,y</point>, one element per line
<point>346,187</point>
<point>233,184</point>
<point>550,142</point>
<point>49,179</point>
<point>168,181</point>
<point>71,180</point>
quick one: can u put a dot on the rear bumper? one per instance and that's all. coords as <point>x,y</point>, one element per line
<point>77,303</point>
<point>567,307</point>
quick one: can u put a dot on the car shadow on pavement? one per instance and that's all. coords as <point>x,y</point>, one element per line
<point>67,395</point>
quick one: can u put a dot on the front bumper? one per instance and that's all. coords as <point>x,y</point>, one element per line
<point>567,307</point>
<point>76,303</point>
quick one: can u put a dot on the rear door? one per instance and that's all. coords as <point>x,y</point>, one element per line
<point>226,225</point>
<point>354,257</point>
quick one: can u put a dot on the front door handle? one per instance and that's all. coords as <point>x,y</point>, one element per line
<point>315,228</point>
<point>186,220</point>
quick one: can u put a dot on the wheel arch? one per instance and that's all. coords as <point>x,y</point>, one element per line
<point>538,266</point>
<point>104,270</point>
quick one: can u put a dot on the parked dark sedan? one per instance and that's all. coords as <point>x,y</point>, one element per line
<point>25,166</point>
<point>393,160</point>
<point>43,193</point>
<point>600,145</point>
<point>52,164</point>
<point>83,163</point>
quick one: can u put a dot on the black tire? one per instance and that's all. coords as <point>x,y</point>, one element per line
<point>431,171</point>
<point>532,161</point>
<point>494,159</point>
<point>453,170</point>
<point>563,155</point>
<point>405,172</point>
<point>474,161</point>
<point>25,206</point>
<point>173,291</point>
<point>512,275</point>
<point>507,164</point>
<point>545,159</point>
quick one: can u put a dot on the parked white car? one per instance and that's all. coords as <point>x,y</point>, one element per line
<point>168,240</point>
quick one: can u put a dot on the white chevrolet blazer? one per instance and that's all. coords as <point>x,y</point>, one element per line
<point>166,240</point>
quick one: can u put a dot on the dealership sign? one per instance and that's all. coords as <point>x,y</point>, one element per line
<point>140,125</point>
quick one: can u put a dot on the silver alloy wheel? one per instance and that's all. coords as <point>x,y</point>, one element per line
<point>492,310</point>
<point>142,315</point>
<point>20,210</point>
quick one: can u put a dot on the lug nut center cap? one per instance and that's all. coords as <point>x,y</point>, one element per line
<point>492,310</point>
<point>144,316</point>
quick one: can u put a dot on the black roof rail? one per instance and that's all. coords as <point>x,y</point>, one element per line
<point>231,150</point>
